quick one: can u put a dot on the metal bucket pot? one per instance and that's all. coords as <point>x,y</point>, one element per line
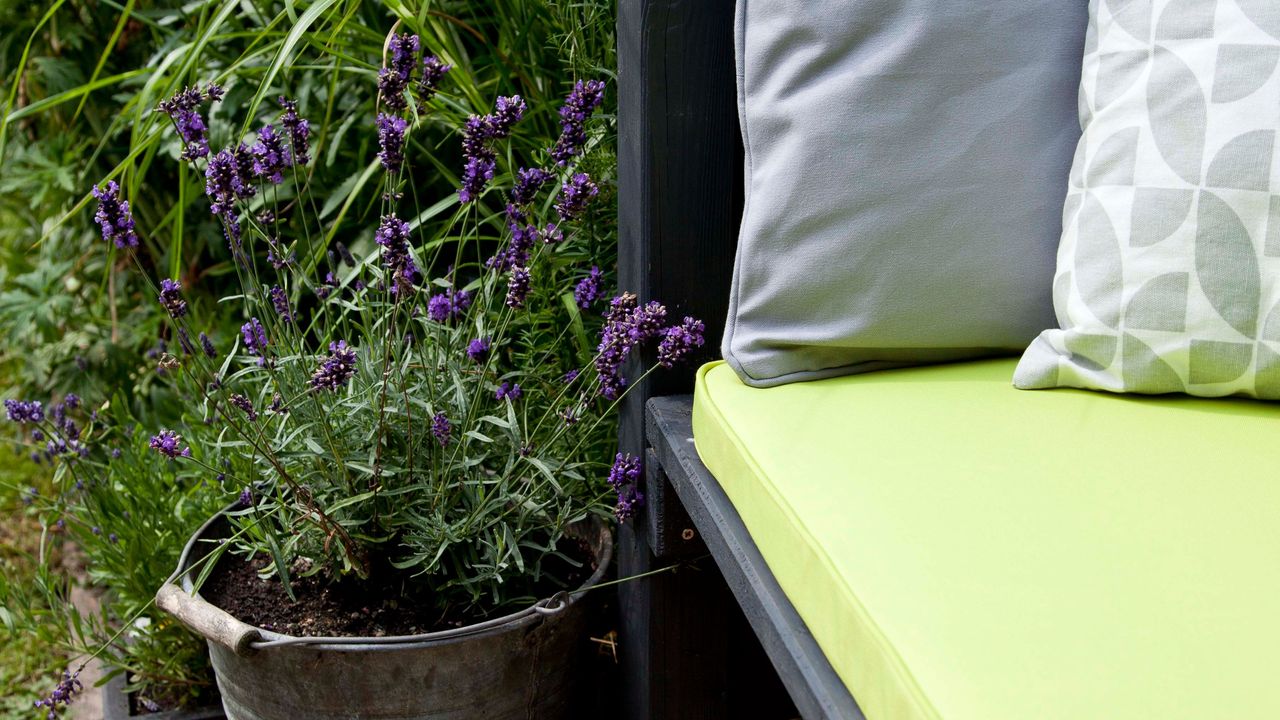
<point>518,666</point>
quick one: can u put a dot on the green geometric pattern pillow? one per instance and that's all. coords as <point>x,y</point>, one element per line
<point>1168,275</point>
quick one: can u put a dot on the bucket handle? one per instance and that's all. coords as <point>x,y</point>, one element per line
<point>208,620</point>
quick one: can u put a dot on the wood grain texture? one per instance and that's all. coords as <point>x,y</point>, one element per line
<point>680,203</point>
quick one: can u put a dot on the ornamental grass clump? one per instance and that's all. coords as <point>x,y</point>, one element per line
<point>417,400</point>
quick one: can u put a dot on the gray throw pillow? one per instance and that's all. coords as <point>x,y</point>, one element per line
<point>907,162</point>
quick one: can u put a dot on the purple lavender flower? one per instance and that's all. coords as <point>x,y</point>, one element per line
<point>570,377</point>
<point>588,290</point>
<point>169,444</point>
<point>475,176</point>
<point>24,412</point>
<point>207,345</point>
<point>270,159</point>
<point>441,428</point>
<point>393,236</point>
<point>299,131</point>
<point>63,694</point>
<point>625,471</point>
<point>280,303</point>
<point>478,349</point>
<point>225,183</point>
<point>582,101</point>
<point>574,196</point>
<point>478,134</point>
<point>37,436</point>
<point>182,109</point>
<point>522,239</point>
<point>508,391</point>
<point>114,217</point>
<point>246,498</point>
<point>396,76</point>
<point>277,405</point>
<point>528,183</point>
<point>184,340</point>
<point>626,328</point>
<point>337,369</point>
<point>624,477</point>
<point>113,538</point>
<point>245,406</point>
<point>171,298</point>
<point>551,234</point>
<point>630,499</point>
<point>507,112</point>
<point>449,305</point>
<point>518,287</point>
<point>391,141</point>
<point>255,339</point>
<point>433,71</point>
<point>679,340</point>
<point>116,453</point>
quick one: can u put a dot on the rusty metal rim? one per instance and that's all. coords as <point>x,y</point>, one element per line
<point>266,639</point>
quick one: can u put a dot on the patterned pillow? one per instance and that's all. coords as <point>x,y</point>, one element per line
<point>1168,273</point>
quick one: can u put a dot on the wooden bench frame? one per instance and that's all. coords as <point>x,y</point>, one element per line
<point>680,203</point>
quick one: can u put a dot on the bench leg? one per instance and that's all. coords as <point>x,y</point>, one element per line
<point>673,637</point>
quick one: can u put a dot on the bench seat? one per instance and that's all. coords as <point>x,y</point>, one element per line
<point>964,550</point>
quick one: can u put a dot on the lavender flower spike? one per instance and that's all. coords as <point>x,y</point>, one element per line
<point>393,236</point>
<point>182,110</point>
<point>245,405</point>
<point>207,345</point>
<point>449,305</point>
<point>299,131</point>
<point>574,196</point>
<point>24,412</point>
<point>624,477</point>
<point>114,217</point>
<point>528,182</point>
<point>391,141</point>
<point>270,159</point>
<point>584,99</point>
<point>255,339</point>
<point>508,391</point>
<point>228,176</point>
<point>478,349</point>
<point>678,341</point>
<point>281,303</point>
<point>588,289</point>
<point>441,428</point>
<point>518,287</point>
<point>169,444</point>
<point>337,370</point>
<point>394,79</point>
<point>62,695</point>
<point>433,71</point>
<point>171,298</point>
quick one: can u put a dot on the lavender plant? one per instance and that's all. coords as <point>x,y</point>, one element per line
<point>380,411</point>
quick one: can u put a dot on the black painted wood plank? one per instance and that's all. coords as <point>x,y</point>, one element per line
<point>680,199</point>
<point>814,686</point>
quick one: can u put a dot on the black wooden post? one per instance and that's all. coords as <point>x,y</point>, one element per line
<point>680,201</point>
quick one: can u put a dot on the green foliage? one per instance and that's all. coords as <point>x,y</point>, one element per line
<point>129,518</point>
<point>79,80</point>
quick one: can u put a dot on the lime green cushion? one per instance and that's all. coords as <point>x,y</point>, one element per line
<point>964,550</point>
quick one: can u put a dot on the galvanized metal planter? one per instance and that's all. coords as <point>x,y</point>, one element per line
<point>518,666</point>
<point>116,706</point>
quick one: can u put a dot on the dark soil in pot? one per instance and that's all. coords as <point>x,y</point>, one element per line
<point>385,604</point>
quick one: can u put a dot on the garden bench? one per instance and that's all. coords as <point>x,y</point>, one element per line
<point>903,542</point>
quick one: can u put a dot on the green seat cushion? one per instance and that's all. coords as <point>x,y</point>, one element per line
<point>961,549</point>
